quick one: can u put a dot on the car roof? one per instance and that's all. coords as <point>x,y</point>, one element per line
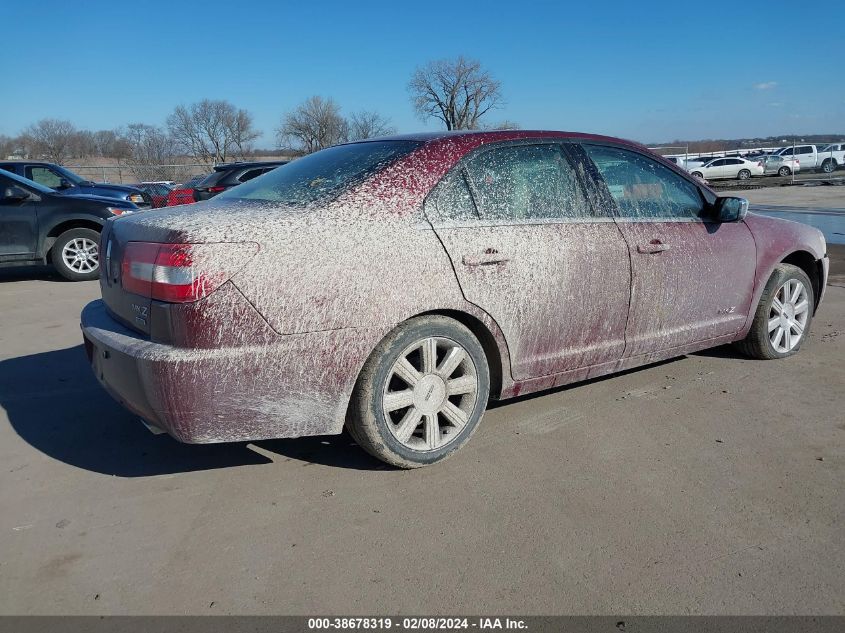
<point>490,136</point>
<point>257,163</point>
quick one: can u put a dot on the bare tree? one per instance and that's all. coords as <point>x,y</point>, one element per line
<point>507,124</point>
<point>51,138</point>
<point>8,146</point>
<point>82,144</point>
<point>458,92</point>
<point>149,147</point>
<point>369,124</point>
<point>313,125</point>
<point>111,144</point>
<point>212,131</point>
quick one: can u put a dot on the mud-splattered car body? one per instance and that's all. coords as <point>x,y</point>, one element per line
<point>303,295</point>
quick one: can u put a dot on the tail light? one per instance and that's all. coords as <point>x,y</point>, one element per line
<point>797,162</point>
<point>181,273</point>
<point>216,189</point>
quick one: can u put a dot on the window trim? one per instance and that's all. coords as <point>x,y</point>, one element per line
<point>608,198</point>
<point>563,143</point>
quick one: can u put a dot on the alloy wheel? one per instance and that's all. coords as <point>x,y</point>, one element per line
<point>81,255</point>
<point>788,316</point>
<point>430,393</point>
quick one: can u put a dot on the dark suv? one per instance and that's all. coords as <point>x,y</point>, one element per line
<point>41,226</point>
<point>65,182</point>
<point>228,175</point>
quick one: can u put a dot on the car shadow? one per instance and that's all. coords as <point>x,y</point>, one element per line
<point>496,404</point>
<point>723,351</point>
<point>30,273</point>
<point>54,403</point>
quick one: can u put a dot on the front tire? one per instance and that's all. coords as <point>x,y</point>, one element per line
<point>744,174</point>
<point>75,254</point>
<point>698,174</point>
<point>421,394</point>
<point>783,316</point>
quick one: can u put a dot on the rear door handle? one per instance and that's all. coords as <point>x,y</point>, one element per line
<point>489,257</point>
<point>655,246</point>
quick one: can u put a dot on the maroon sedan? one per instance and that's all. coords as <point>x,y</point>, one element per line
<point>393,286</point>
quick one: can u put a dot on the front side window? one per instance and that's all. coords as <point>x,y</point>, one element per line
<point>45,177</point>
<point>526,182</point>
<point>643,188</point>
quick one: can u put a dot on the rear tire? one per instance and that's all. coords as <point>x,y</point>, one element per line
<point>421,394</point>
<point>829,166</point>
<point>784,171</point>
<point>744,174</point>
<point>763,342</point>
<point>75,254</point>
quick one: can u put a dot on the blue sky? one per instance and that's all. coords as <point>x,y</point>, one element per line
<point>648,71</point>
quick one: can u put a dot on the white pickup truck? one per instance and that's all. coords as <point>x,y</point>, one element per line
<point>807,155</point>
<point>831,157</point>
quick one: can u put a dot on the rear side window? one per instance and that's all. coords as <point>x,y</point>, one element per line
<point>643,188</point>
<point>526,182</point>
<point>451,200</point>
<point>249,174</point>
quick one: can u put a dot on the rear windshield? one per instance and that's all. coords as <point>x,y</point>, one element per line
<point>323,175</point>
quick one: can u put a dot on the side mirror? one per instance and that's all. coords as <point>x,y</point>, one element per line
<point>64,183</point>
<point>15,194</point>
<point>730,209</point>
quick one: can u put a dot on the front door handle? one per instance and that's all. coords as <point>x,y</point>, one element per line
<point>489,257</point>
<point>654,246</point>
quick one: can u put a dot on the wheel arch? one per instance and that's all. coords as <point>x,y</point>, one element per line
<point>811,267</point>
<point>56,230</point>
<point>496,357</point>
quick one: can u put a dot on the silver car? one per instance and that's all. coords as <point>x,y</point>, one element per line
<point>779,165</point>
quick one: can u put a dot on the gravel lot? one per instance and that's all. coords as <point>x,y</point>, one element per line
<point>707,484</point>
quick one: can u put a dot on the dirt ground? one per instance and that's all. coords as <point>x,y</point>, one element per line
<point>709,484</point>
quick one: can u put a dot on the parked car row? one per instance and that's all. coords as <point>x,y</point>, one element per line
<point>40,225</point>
<point>63,181</point>
<point>782,162</point>
<point>49,215</point>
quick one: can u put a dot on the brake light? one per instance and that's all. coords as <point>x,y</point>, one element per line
<point>181,273</point>
<point>216,189</point>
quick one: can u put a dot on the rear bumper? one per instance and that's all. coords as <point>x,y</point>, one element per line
<point>296,387</point>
